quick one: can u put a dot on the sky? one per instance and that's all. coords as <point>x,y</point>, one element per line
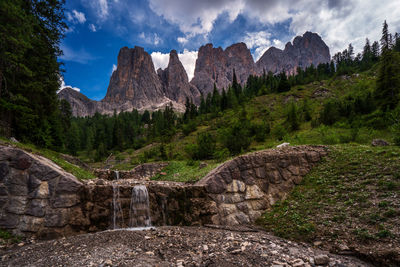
<point>99,28</point>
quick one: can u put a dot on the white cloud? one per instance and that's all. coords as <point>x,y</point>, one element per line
<point>76,17</point>
<point>187,58</point>
<point>182,40</point>
<point>92,27</point>
<point>151,38</point>
<point>114,68</point>
<point>100,8</point>
<point>338,22</point>
<point>79,56</point>
<point>62,86</point>
<point>160,60</point>
<point>195,17</point>
<point>259,41</point>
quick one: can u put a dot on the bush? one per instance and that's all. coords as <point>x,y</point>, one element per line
<point>260,131</point>
<point>236,138</point>
<point>189,128</point>
<point>204,147</point>
<point>279,132</point>
<point>221,155</point>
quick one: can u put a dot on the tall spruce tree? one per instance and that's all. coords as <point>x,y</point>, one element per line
<point>30,34</point>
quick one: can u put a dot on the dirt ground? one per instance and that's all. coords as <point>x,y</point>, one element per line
<point>172,246</point>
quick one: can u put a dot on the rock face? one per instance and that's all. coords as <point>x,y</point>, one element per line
<point>305,50</point>
<point>136,85</point>
<point>81,106</point>
<point>175,82</point>
<point>134,80</point>
<point>215,65</point>
<point>243,188</point>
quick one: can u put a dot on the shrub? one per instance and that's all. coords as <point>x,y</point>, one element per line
<point>279,132</point>
<point>189,128</point>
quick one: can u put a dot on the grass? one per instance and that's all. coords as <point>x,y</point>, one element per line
<point>7,237</point>
<point>351,197</point>
<point>78,172</point>
<point>183,171</point>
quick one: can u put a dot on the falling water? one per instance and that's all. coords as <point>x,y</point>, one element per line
<point>139,213</point>
<point>118,216</point>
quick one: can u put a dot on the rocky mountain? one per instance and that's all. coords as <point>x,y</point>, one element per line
<point>305,50</point>
<point>81,105</point>
<point>136,85</point>
<point>215,65</point>
<point>135,80</point>
<point>175,82</point>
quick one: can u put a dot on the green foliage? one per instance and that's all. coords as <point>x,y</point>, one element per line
<point>204,147</point>
<point>181,171</point>
<point>279,131</point>
<point>292,117</point>
<point>29,72</point>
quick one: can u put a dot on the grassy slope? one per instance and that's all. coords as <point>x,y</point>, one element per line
<point>78,172</point>
<point>351,198</point>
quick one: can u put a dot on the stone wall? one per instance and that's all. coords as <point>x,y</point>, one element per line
<point>141,172</point>
<point>37,196</point>
<point>243,188</point>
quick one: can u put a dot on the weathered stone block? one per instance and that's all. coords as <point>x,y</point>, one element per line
<point>78,218</point>
<point>56,217</point>
<point>36,207</point>
<point>16,204</point>
<point>216,186</point>
<point>31,224</point>
<point>260,172</point>
<point>227,209</point>
<point>41,192</point>
<point>3,201</point>
<point>64,201</point>
<point>234,198</point>
<point>4,170</point>
<point>33,183</point>
<point>236,186</point>
<point>248,177</point>
<point>274,176</point>
<point>8,220</point>
<point>3,191</point>
<point>253,192</point>
<point>68,184</point>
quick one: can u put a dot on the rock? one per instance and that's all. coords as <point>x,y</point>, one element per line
<point>283,145</point>
<point>379,142</point>
<point>215,65</point>
<point>175,82</point>
<point>203,165</point>
<point>12,139</point>
<point>305,50</point>
<point>134,83</point>
<point>321,259</point>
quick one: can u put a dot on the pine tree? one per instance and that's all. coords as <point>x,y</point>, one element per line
<point>29,72</point>
<point>385,39</point>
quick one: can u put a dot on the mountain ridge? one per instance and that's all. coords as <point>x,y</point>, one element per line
<point>135,84</point>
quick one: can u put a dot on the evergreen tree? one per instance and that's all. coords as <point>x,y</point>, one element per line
<point>385,39</point>
<point>29,72</point>
<point>292,118</point>
<point>284,85</point>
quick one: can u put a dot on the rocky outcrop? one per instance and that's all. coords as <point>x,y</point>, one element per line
<point>243,188</point>
<point>136,85</point>
<point>81,106</point>
<point>175,82</point>
<point>215,65</point>
<point>305,50</point>
<point>135,80</point>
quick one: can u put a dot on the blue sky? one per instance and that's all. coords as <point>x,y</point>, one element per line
<point>99,28</point>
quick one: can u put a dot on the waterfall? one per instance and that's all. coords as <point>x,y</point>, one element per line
<point>118,216</point>
<point>139,212</point>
